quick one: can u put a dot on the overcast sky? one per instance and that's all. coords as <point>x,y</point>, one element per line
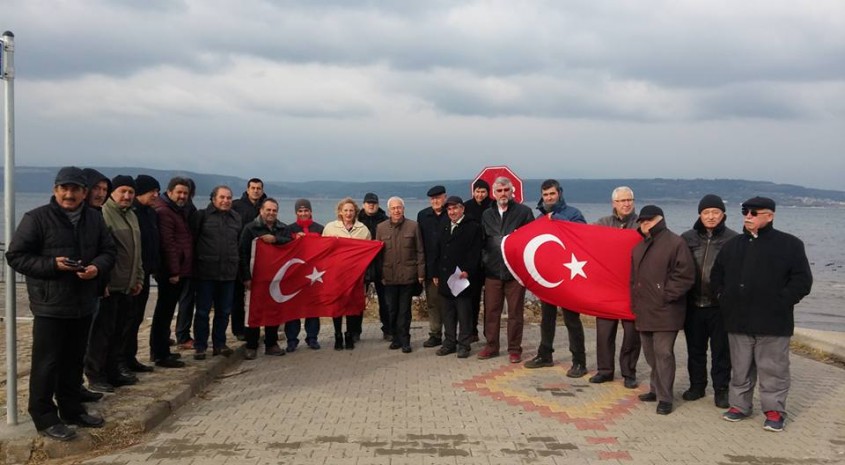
<point>428,90</point>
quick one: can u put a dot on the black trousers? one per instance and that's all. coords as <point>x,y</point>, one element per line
<point>58,349</point>
<point>383,313</point>
<point>574,328</point>
<point>168,298</point>
<point>185,317</point>
<point>271,336</point>
<point>354,324</point>
<point>237,317</point>
<point>105,346</point>
<point>457,312</point>
<point>134,318</point>
<point>629,353</point>
<point>703,325</point>
<point>476,289</point>
<point>398,298</point>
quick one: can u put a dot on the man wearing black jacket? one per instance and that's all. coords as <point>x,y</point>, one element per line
<point>432,220</point>
<point>248,207</point>
<point>61,248</point>
<point>758,278</point>
<point>371,215</point>
<point>474,208</point>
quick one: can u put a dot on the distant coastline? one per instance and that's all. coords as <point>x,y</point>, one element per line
<point>40,179</point>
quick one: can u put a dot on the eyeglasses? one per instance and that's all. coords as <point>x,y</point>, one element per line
<point>752,212</point>
<point>624,201</point>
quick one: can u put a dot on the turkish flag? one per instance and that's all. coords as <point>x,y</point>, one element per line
<point>308,277</point>
<point>581,267</point>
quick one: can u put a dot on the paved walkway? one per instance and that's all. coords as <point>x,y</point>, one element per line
<point>376,406</point>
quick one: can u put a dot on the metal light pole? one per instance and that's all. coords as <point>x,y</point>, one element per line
<point>7,73</point>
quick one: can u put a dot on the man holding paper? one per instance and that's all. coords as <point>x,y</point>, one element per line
<point>458,259</point>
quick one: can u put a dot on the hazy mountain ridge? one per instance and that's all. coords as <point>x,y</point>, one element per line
<point>734,191</point>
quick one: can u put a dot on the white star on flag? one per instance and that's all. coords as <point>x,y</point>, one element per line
<point>316,276</point>
<point>576,268</point>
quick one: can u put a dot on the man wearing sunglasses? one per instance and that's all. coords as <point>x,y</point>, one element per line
<point>758,278</point>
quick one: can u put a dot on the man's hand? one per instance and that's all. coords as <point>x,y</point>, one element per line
<point>174,280</point>
<point>268,239</point>
<point>247,283</point>
<point>137,289</point>
<point>90,272</point>
<point>66,264</point>
<point>436,281</point>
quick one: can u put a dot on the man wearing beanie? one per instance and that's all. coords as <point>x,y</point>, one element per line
<point>703,324</point>
<point>147,190</point>
<point>473,209</point>
<point>662,271</point>
<point>758,277</point>
<point>304,226</point>
<point>105,363</point>
<point>61,280</point>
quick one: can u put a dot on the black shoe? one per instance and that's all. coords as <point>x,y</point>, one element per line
<point>338,341</point>
<point>224,351</point>
<point>174,356</point>
<point>59,432</point>
<point>693,394</point>
<point>395,345</point>
<point>648,397</point>
<point>139,367</point>
<point>240,337</point>
<point>445,351</point>
<point>350,341</point>
<point>125,372</point>
<point>432,342</point>
<point>356,337</point>
<point>599,378</point>
<point>577,370</point>
<point>463,353</point>
<point>406,349</point>
<point>631,383</point>
<point>100,386</point>
<point>87,396</point>
<point>539,362</point>
<point>664,408</point>
<point>122,380</point>
<point>88,421</point>
<point>721,398</point>
<point>170,363</point>
<point>386,336</point>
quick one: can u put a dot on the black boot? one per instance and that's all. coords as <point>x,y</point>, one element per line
<point>338,341</point>
<point>350,341</point>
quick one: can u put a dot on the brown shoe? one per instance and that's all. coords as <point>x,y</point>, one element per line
<point>274,350</point>
<point>187,345</point>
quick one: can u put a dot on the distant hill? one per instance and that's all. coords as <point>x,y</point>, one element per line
<point>40,179</point>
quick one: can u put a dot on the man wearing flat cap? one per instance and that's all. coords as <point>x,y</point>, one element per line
<point>458,251</point>
<point>432,221</point>
<point>662,271</point>
<point>758,277</point>
<point>703,326</point>
<point>60,275</point>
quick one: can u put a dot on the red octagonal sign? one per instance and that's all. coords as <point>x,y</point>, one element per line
<point>490,173</point>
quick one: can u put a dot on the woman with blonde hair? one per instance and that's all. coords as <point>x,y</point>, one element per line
<point>347,225</point>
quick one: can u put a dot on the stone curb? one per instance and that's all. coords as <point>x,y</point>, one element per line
<point>831,344</point>
<point>23,444</point>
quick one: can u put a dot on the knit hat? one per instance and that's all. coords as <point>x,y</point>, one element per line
<point>122,180</point>
<point>481,184</point>
<point>759,202</point>
<point>711,201</point>
<point>145,183</point>
<point>301,203</point>
<point>648,212</point>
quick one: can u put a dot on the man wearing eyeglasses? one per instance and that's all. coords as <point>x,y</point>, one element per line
<point>758,278</point>
<point>623,217</point>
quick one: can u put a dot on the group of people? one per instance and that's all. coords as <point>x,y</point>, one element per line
<point>89,256</point>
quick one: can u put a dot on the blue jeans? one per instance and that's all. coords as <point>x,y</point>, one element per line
<point>219,293</point>
<point>312,329</point>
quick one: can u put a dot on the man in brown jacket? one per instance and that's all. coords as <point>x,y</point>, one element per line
<point>403,269</point>
<point>662,271</point>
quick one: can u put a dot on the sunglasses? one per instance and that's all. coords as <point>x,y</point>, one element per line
<point>746,211</point>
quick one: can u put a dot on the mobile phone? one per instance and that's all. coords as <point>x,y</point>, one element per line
<point>75,264</point>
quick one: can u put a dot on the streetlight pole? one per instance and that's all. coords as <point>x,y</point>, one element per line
<point>7,73</point>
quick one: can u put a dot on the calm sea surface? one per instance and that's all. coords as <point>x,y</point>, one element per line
<point>820,229</point>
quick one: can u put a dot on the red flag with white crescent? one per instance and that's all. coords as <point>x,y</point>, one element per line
<point>581,267</point>
<point>308,277</point>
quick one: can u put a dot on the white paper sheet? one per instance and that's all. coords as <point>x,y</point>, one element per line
<point>456,284</point>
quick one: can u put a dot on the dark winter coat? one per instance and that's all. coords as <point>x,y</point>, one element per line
<point>475,210</point>
<point>704,249</point>
<point>459,248</point>
<point>431,224</point>
<point>217,252</point>
<point>759,280</point>
<point>246,208</point>
<point>175,239</point>
<point>662,271</point>
<point>495,228</point>
<point>373,273</point>
<point>402,256</point>
<point>46,233</point>
<point>561,211</point>
<point>150,250</point>
<point>257,228</point>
